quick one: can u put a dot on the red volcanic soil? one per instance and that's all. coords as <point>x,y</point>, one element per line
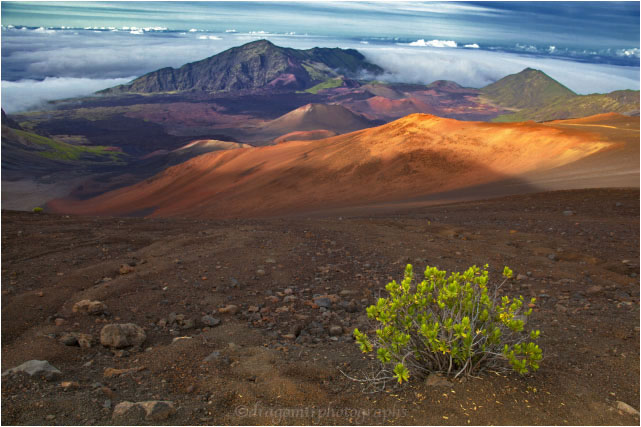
<point>311,117</point>
<point>414,156</point>
<point>386,108</point>
<point>308,135</point>
<point>273,361</point>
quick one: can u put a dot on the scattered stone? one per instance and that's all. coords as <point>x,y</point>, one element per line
<point>67,385</point>
<point>187,323</point>
<point>560,308</point>
<point>69,339</point>
<point>153,410</point>
<point>594,289</point>
<point>125,269</point>
<point>520,277</point>
<point>122,335</point>
<point>260,272</point>
<point>158,410</point>
<point>568,213</point>
<point>207,320</point>
<point>253,309</point>
<point>335,330</point>
<point>213,356</point>
<point>289,298</point>
<point>552,257</point>
<point>128,413</point>
<point>625,408</point>
<point>113,372</point>
<point>50,417</point>
<point>89,307</point>
<point>39,368</point>
<point>84,340</point>
<point>60,321</point>
<point>437,381</point>
<point>289,337</point>
<point>179,339</point>
<point>270,261</point>
<point>323,302</point>
<point>230,308</point>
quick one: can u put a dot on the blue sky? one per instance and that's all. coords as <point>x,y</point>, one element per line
<point>589,46</point>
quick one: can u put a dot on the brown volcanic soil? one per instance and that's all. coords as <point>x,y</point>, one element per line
<point>415,156</point>
<point>588,311</point>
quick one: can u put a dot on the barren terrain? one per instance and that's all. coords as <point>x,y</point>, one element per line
<point>274,361</point>
<point>418,155</point>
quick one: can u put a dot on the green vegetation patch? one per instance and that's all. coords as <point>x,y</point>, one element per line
<point>327,84</point>
<point>455,325</point>
<point>57,150</point>
<point>578,106</point>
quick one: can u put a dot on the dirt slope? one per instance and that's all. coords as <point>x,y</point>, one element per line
<point>413,156</point>
<point>332,117</point>
<point>587,310</point>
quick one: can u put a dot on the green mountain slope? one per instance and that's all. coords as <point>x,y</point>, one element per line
<point>528,89</point>
<point>621,101</point>
<point>256,65</point>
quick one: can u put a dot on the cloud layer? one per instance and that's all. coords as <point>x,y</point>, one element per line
<point>44,64</point>
<point>477,68</point>
<point>32,94</point>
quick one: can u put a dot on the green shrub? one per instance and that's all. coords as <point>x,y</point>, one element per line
<point>37,209</point>
<point>452,325</point>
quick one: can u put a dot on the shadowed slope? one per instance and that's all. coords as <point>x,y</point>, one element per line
<point>413,156</point>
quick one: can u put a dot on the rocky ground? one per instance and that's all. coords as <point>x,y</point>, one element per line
<point>250,321</point>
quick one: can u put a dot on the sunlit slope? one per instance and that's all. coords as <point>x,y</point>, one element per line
<point>615,166</point>
<point>416,155</point>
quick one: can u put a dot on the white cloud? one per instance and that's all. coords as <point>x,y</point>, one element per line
<point>434,43</point>
<point>472,46</point>
<point>29,94</point>
<point>628,52</point>
<point>478,68</point>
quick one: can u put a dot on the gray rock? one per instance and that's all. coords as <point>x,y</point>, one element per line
<point>552,257</point>
<point>128,413</point>
<point>39,368</point>
<point>213,356</point>
<point>188,324</point>
<point>210,321</point>
<point>122,335</point>
<point>158,410</point>
<point>323,302</point>
<point>568,213</point>
<point>335,330</point>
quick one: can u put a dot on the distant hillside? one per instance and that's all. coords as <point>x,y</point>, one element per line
<point>255,65</point>
<point>621,101</point>
<point>414,156</point>
<point>331,117</point>
<point>528,89</point>
<point>27,153</point>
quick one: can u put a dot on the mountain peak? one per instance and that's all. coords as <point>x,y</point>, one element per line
<point>529,88</point>
<point>259,64</point>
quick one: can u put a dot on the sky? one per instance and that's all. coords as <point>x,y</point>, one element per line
<point>53,50</point>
